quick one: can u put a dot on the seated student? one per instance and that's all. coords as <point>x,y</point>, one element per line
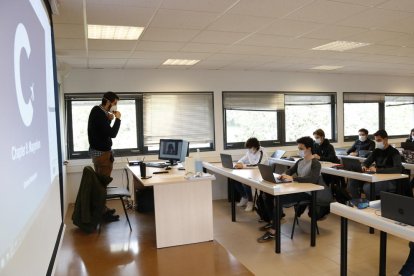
<point>253,156</point>
<point>362,143</point>
<point>410,138</point>
<point>307,169</point>
<point>387,160</point>
<point>408,268</point>
<point>322,149</point>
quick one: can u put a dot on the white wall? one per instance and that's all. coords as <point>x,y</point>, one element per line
<point>102,80</point>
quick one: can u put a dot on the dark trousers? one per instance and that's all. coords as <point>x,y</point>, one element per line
<point>244,190</point>
<point>284,200</point>
<point>408,267</point>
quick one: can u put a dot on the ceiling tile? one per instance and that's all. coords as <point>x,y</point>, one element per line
<point>239,23</point>
<point>182,19</point>
<point>402,25</point>
<point>136,3</point>
<point>143,63</point>
<point>406,40</point>
<point>69,31</point>
<point>74,62</point>
<point>218,37</point>
<point>203,47</point>
<point>288,27</point>
<point>106,63</point>
<point>109,54</point>
<point>332,32</point>
<point>70,12</point>
<point>69,44</point>
<point>159,46</point>
<point>71,53</point>
<point>118,15</point>
<point>171,35</point>
<point>200,5</point>
<point>282,41</point>
<point>398,5</point>
<point>374,36</point>
<point>367,3</point>
<point>267,8</point>
<point>322,11</point>
<point>114,45</point>
<point>211,64</point>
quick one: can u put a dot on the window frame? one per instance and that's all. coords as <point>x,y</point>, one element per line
<point>333,104</point>
<point>139,108</point>
<point>240,145</point>
<point>381,114</point>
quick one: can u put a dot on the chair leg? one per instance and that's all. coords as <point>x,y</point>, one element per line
<point>317,228</point>
<point>295,221</point>
<point>126,214</point>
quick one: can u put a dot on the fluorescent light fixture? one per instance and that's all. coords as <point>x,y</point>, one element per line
<point>327,67</point>
<point>114,32</point>
<point>341,46</point>
<point>180,61</point>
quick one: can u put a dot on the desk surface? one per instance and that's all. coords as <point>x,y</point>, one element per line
<point>326,168</point>
<point>251,177</point>
<point>372,217</point>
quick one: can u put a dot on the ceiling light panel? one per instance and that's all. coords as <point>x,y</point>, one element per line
<point>114,32</point>
<point>341,46</point>
<point>187,62</point>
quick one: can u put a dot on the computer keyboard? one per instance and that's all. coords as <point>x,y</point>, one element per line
<point>156,164</point>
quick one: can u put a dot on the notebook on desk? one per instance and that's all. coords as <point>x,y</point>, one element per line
<point>267,174</point>
<point>397,207</point>
<point>226,161</point>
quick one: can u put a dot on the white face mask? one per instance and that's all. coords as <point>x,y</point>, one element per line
<point>379,145</point>
<point>318,141</point>
<point>252,151</point>
<point>362,138</point>
<point>113,108</point>
<point>301,153</point>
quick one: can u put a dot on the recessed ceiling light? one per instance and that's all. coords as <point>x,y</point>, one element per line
<point>180,61</point>
<point>114,32</point>
<point>327,67</point>
<point>341,46</point>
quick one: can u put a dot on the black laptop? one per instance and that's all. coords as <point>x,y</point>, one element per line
<point>397,207</point>
<point>352,164</point>
<point>267,174</point>
<point>226,161</point>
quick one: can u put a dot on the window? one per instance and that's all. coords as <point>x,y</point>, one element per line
<point>399,114</point>
<point>305,113</point>
<point>187,116</point>
<point>373,111</point>
<point>146,118</point>
<point>251,114</point>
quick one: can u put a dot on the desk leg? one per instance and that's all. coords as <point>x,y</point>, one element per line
<point>233,199</point>
<point>371,198</point>
<point>344,245</point>
<point>383,253</point>
<point>276,222</point>
<point>313,219</point>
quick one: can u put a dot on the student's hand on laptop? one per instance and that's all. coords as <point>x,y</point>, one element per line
<point>353,153</point>
<point>286,177</point>
<point>238,166</point>
<point>372,169</point>
<point>364,169</point>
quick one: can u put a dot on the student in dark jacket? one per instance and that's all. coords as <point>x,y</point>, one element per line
<point>387,159</point>
<point>323,150</point>
<point>410,138</point>
<point>362,143</point>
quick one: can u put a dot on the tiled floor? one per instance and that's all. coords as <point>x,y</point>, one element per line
<point>117,251</point>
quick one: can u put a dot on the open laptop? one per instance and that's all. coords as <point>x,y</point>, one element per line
<point>352,164</point>
<point>397,207</point>
<point>226,161</point>
<point>278,154</point>
<point>341,151</point>
<point>267,174</point>
<point>364,153</point>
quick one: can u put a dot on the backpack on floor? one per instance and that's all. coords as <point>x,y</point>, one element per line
<point>259,207</point>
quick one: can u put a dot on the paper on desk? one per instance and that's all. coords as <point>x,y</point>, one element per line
<point>203,176</point>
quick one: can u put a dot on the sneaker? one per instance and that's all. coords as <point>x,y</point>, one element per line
<point>266,237</point>
<point>249,206</point>
<point>243,202</point>
<point>266,227</point>
<point>110,212</point>
<point>110,218</point>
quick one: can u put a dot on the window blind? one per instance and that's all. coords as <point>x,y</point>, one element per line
<point>363,98</point>
<point>260,101</point>
<point>307,99</point>
<point>398,100</point>
<point>187,116</point>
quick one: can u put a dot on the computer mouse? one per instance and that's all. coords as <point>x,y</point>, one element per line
<point>168,168</point>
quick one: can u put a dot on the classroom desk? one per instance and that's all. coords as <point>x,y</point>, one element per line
<point>368,217</point>
<point>183,208</point>
<point>251,177</point>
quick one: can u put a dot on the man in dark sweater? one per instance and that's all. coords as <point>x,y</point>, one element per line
<point>387,160</point>
<point>362,143</point>
<point>323,150</point>
<point>100,134</point>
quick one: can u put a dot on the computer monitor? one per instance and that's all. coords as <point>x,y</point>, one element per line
<point>173,150</point>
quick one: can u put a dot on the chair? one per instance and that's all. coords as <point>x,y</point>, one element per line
<point>297,206</point>
<point>121,193</point>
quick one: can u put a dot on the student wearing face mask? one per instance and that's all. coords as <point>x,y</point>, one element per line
<point>387,159</point>
<point>254,155</point>
<point>362,143</point>
<point>410,138</point>
<point>100,134</point>
<point>323,150</point>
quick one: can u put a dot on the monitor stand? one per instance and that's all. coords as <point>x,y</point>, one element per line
<point>171,163</point>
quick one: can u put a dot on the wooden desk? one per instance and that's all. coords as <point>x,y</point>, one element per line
<point>252,178</point>
<point>183,208</point>
<point>370,218</point>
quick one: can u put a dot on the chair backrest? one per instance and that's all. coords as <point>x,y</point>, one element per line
<point>323,197</point>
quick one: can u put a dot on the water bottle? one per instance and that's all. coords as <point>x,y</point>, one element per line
<point>198,162</point>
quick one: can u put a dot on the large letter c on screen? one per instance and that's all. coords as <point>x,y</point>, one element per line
<point>21,41</point>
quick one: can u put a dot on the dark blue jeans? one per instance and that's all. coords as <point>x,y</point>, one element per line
<point>408,267</point>
<point>244,190</point>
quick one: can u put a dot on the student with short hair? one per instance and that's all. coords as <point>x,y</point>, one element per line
<point>410,138</point>
<point>362,143</point>
<point>253,156</point>
<point>307,169</point>
<point>387,159</point>
<point>322,149</point>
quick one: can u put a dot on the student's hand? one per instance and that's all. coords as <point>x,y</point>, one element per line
<point>364,169</point>
<point>372,169</point>
<point>117,114</point>
<point>110,116</point>
<point>238,165</point>
<point>286,177</point>
<point>316,156</point>
<point>353,153</point>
